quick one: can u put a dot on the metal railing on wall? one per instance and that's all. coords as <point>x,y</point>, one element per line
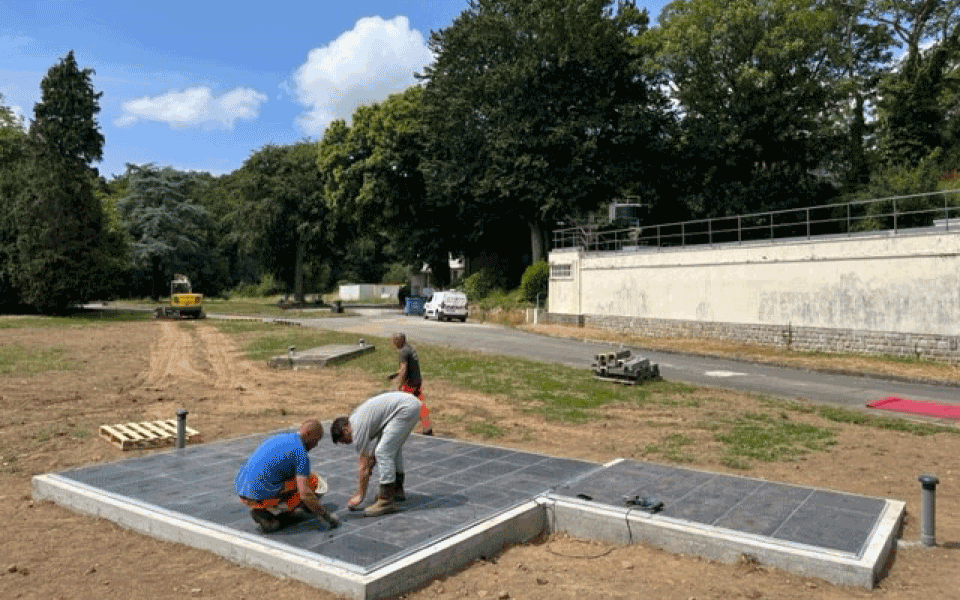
<point>918,213</point>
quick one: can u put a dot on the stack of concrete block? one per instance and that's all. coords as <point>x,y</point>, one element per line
<point>622,366</point>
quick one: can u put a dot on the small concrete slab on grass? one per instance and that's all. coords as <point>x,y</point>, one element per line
<point>321,356</point>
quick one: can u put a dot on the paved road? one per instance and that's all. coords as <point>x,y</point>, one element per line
<point>846,390</point>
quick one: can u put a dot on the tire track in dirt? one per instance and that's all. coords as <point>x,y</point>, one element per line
<point>170,359</point>
<point>228,372</point>
<point>204,361</point>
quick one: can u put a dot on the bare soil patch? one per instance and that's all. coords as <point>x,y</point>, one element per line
<point>147,370</point>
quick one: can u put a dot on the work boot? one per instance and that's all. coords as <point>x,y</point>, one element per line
<point>398,493</point>
<point>266,520</point>
<point>385,503</point>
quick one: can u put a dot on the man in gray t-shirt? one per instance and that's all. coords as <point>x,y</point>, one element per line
<point>378,428</point>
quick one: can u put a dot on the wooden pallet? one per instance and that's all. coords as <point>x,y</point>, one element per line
<point>149,434</point>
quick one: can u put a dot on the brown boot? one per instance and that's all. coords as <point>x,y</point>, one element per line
<point>385,503</point>
<point>398,493</point>
<point>267,521</point>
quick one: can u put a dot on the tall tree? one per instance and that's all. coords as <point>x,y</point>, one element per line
<point>538,109</point>
<point>751,80</point>
<point>920,93</point>
<point>170,231</point>
<point>282,216</point>
<point>13,143</point>
<point>860,51</point>
<point>59,248</point>
<point>373,180</point>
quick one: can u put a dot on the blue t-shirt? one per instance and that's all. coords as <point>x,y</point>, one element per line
<point>279,458</point>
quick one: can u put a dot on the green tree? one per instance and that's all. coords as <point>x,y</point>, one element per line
<point>535,110</point>
<point>751,79</point>
<point>860,52</point>
<point>919,96</point>
<point>59,257</point>
<point>13,144</point>
<point>171,232</point>
<point>117,245</point>
<point>282,218</point>
<point>374,181</point>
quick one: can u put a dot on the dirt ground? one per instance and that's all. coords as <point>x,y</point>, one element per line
<point>147,370</point>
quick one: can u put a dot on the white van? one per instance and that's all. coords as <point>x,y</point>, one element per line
<point>446,305</point>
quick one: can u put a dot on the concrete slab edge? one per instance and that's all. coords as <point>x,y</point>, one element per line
<point>590,521</point>
<point>236,547</point>
<point>515,526</point>
<point>485,539</point>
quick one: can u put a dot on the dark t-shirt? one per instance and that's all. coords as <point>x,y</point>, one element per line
<point>409,355</point>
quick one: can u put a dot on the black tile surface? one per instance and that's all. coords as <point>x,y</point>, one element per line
<point>450,486</point>
<point>820,518</point>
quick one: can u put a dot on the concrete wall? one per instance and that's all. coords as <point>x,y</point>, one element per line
<point>885,293</point>
<point>361,291</point>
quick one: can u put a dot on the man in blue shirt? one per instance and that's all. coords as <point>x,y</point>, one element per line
<point>279,471</point>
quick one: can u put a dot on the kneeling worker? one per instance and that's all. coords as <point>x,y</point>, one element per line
<point>378,428</point>
<point>279,471</point>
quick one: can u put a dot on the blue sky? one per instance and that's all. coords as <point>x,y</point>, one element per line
<point>201,85</point>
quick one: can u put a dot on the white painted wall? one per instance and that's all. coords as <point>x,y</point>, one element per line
<point>895,283</point>
<point>363,291</point>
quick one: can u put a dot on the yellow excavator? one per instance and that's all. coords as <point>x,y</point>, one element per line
<point>184,304</point>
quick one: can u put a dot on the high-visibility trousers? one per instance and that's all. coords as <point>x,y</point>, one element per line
<point>416,390</point>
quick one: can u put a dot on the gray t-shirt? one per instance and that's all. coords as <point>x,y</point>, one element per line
<point>369,419</point>
<point>409,355</point>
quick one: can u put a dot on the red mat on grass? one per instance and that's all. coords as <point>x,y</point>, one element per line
<point>931,409</point>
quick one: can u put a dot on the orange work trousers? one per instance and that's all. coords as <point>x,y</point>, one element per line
<point>425,424</point>
<point>289,495</point>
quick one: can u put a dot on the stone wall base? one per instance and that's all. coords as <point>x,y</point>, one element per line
<point>945,348</point>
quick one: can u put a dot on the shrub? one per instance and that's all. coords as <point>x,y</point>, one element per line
<point>265,287</point>
<point>479,285</point>
<point>535,280</point>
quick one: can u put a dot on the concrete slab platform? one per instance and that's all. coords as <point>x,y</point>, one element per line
<point>843,538</point>
<point>320,356</point>
<point>463,501</point>
<point>468,500</point>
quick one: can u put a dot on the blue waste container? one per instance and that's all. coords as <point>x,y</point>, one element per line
<point>414,305</point>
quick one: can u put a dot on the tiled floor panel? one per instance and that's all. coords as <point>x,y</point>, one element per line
<point>819,518</point>
<point>464,500</point>
<point>450,486</point>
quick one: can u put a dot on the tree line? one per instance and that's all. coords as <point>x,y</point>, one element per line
<point>532,115</point>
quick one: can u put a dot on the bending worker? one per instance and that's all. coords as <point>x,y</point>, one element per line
<point>410,379</point>
<point>279,472</point>
<point>378,428</point>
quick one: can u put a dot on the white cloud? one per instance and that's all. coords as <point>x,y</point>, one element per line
<point>194,107</point>
<point>364,65</point>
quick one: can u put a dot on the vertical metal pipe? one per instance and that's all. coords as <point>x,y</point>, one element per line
<point>928,504</point>
<point>181,428</point>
